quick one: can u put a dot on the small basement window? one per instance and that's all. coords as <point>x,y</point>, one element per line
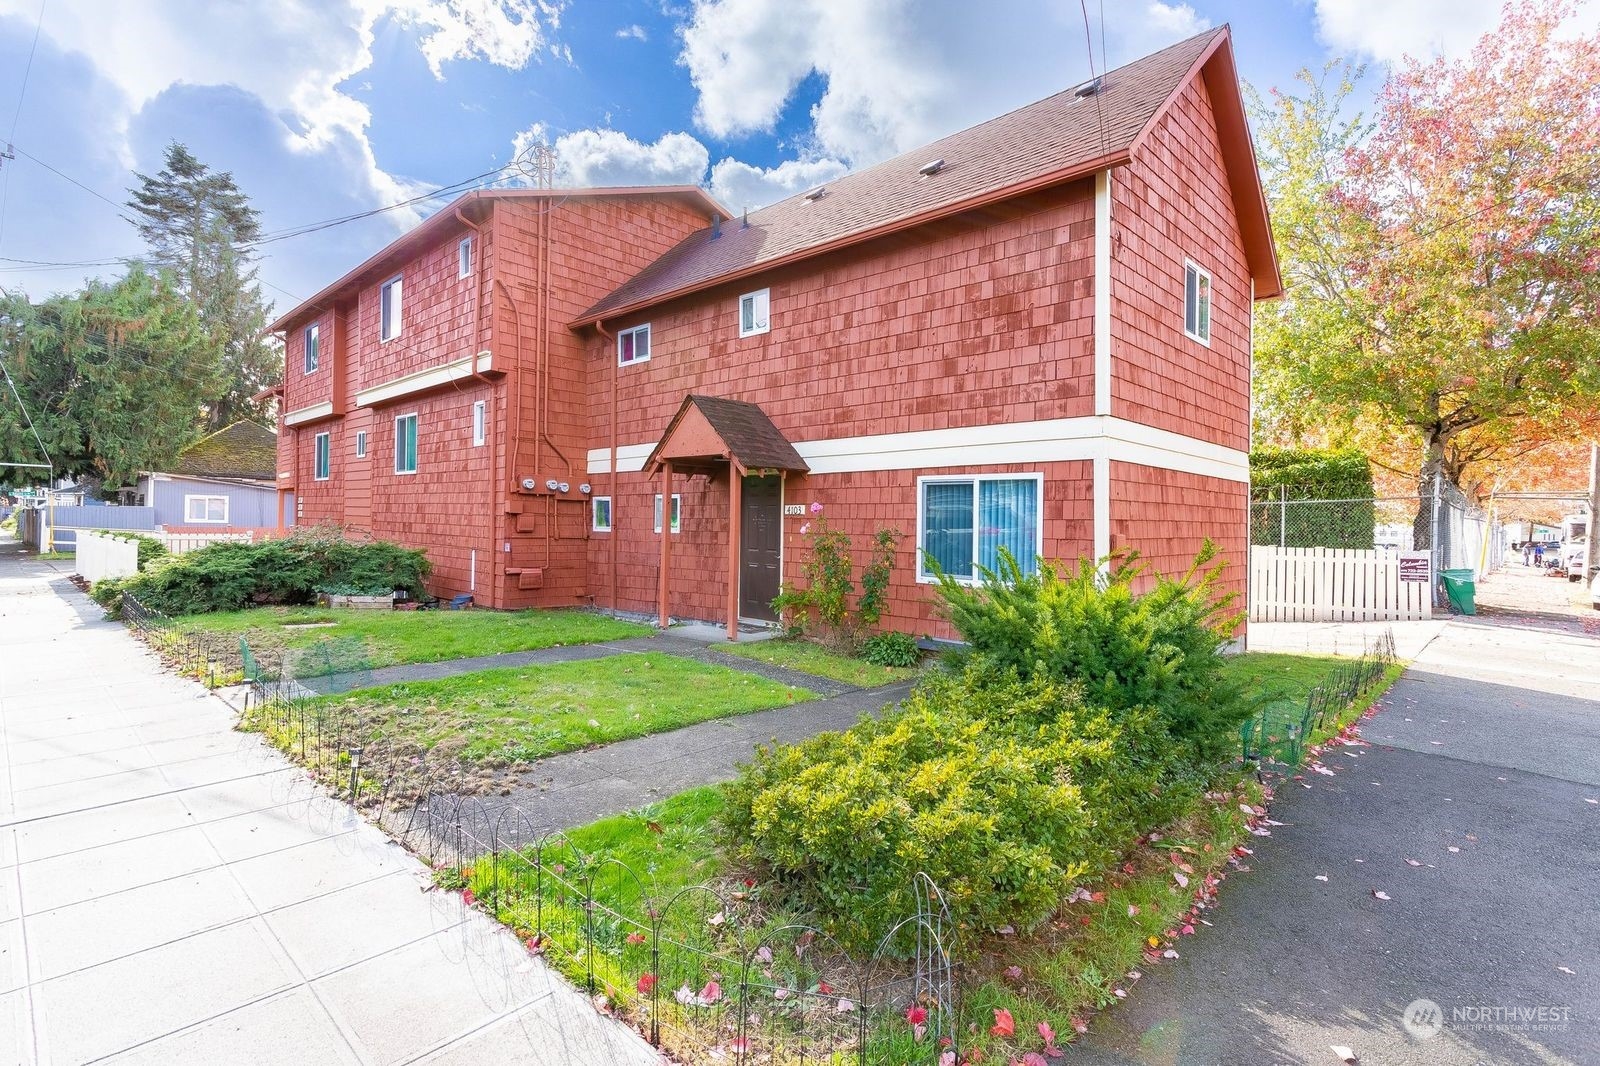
<point>633,345</point>
<point>1197,303</point>
<point>755,313</point>
<point>677,513</point>
<point>313,339</point>
<point>602,514</point>
<point>205,509</point>
<point>324,457</point>
<point>389,309</point>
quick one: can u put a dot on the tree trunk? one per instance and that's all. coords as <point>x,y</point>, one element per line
<point>1433,468</point>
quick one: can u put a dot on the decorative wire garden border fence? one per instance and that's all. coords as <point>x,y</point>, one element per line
<point>1280,732</point>
<point>709,972</point>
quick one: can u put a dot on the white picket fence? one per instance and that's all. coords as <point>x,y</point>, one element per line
<point>179,543</point>
<point>1333,585</point>
<point>102,555</point>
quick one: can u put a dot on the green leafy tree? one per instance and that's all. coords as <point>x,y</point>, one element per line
<point>1443,261</point>
<point>199,226</point>
<point>113,377</point>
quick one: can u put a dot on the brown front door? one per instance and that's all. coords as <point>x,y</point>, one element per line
<point>760,546</point>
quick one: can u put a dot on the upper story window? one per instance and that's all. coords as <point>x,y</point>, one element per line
<point>755,313</point>
<point>963,522</point>
<point>1197,303</point>
<point>633,345</point>
<point>405,444</point>
<point>480,422</point>
<point>324,460</point>
<point>313,346</point>
<point>464,258</point>
<point>389,310</point>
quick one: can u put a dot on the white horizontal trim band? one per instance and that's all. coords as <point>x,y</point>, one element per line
<point>1050,441</point>
<point>424,380</point>
<point>308,414</point>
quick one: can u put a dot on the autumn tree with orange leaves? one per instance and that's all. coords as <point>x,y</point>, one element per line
<point>1442,259</point>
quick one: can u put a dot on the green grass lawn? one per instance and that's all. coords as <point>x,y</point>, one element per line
<point>812,658</point>
<point>385,638</point>
<point>516,714</point>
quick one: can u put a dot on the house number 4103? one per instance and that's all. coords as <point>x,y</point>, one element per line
<point>794,508</point>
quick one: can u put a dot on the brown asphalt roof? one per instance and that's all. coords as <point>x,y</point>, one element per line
<point>749,434</point>
<point>1056,139</point>
<point>243,451</point>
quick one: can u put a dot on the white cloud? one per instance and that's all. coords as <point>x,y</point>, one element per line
<point>739,185</point>
<point>609,157</point>
<point>507,33</point>
<point>1388,30</point>
<point>634,32</point>
<point>897,74</point>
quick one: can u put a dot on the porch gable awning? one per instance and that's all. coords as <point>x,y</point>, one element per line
<point>708,431</point>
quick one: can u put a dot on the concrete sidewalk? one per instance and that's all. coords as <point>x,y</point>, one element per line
<point>174,892</point>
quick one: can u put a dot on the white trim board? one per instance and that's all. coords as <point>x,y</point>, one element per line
<point>308,414</point>
<point>422,380</point>
<point>1050,441</point>
<point>1102,293</point>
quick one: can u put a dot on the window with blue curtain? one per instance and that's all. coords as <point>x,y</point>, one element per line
<point>965,523</point>
<point>947,526</point>
<point>1008,517</point>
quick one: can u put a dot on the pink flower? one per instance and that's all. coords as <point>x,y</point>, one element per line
<point>805,527</point>
<point>916,1015</point>
<point>816,508</point>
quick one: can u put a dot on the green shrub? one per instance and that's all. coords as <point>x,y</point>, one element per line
<point>987,783</point>
<point>228,576</point>
<point>107,592</point>
<point>891,649</point>
<point>1158,650</point>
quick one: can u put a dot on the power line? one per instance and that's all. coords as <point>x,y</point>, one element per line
<point>6,153</point>
<point>1094,79</point>
<point>27,417</point>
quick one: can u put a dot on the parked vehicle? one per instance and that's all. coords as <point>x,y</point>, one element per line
<point>1574,558</point>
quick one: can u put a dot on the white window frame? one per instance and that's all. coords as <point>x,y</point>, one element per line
<point>760,303</point>
<point>1190,266</point>
<point>396,286</point>
<point>361,444</point>
<point>311,339</point>
<point>416,434</point>
<point>464,258</point>
<point>206,502</point>
<point>594,514</point>
<point>480,422</point>
<point>677,512</point>
<point>635,332</point>
<point>322,456</point>
<point>925,578</point>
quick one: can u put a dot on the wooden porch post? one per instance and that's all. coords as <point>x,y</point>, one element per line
<point>735,492</point>
<point>666,536</point>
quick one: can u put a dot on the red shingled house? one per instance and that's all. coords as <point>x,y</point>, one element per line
<point>1033,334</point>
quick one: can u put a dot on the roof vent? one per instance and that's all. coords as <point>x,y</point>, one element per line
<point>716,226</point>
<point>1088,88</point>
<point>816,194</point>
<point>928,170</point>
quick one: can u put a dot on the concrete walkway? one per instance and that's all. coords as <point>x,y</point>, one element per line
<point>174,892</point>
<point>1484,772</point>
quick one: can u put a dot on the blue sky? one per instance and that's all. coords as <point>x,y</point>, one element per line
<point>323,108</point>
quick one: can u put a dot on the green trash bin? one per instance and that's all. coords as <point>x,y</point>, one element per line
<point>1462,588</point>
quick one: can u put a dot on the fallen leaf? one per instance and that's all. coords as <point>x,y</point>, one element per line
<point>1169,954</point>
<point>1004,1024</point>
<point>1133,910</point>
<point>710,993</point>
<point>1379,895</point>
<point>845,1006</point>
<point>1345,1054</point>
<point>1120,993</point>
<point>1183,881</point>
<point>1013,973</point>
<point>1412,862</point>
<point>1451,847</point>
<point>646,983</point>
<point>1322,877</point>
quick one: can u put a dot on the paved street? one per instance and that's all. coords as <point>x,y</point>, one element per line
<point>174,892</point>
<point>1485,769</point>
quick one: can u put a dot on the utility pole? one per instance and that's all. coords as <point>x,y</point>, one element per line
<point>1589,558</point>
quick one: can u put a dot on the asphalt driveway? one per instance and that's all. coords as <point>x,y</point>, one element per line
<point>1484,771</point>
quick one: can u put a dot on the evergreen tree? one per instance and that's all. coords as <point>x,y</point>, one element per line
<point>200,227</point>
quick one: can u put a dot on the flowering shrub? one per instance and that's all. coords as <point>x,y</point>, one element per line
<point>823,605</point>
